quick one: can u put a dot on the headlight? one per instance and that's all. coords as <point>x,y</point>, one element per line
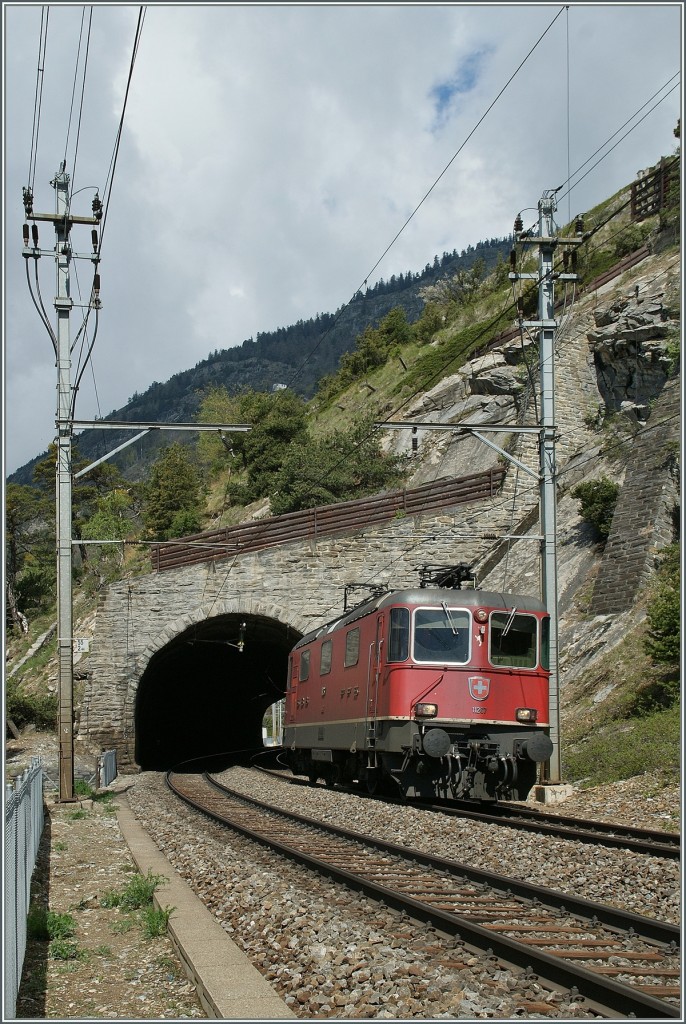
<point>526,714</point>
<point>426,710</point>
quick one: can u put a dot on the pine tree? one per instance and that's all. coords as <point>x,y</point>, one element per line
<point>172,497</point>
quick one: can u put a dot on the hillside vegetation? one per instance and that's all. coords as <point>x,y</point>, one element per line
<point>312,449</point>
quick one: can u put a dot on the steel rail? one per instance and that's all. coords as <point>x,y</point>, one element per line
<point>601,833</point>
<point>608,995</point>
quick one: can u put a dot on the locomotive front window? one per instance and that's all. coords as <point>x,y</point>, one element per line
<point>441,635</point>
<point>399,634</point>
<point>304,666</point>
<point>352,647</point>
<point>513,639</point>
<point>325,659</point>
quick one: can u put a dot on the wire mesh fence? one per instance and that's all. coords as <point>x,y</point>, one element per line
<point>24,820</point>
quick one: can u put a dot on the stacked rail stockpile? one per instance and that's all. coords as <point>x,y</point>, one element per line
<point>326,520</point>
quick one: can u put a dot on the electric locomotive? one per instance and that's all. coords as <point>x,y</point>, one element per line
<point>431,693</point>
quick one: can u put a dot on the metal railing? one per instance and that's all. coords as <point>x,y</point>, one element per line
<point>107,768</point>
<point>24,820</point>
<point>326,520</point>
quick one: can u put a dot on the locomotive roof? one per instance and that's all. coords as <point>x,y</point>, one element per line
<point>428,596</point>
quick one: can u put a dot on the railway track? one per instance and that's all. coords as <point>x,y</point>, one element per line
<point>621,963</point>
<point>599,833</point>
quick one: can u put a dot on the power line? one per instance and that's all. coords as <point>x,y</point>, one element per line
<point>390,245</point>
<point>38,98</point>
<point>109,181</point>
<point>83,87</point>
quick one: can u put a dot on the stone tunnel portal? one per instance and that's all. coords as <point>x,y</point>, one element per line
<point>201,695</point>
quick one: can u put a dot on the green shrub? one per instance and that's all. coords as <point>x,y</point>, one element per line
<point>597,500</point>
<point>31,709</point>
<point>663,639</point>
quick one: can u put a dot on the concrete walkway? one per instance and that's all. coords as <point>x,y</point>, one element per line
<point>228,985</point>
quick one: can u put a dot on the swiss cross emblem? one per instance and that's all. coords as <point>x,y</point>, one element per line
<point>478,687</point>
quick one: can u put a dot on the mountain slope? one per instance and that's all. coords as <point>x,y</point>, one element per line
<point>298,355</point>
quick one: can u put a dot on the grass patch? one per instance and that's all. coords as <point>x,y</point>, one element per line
<point>154,921</point>
<point>624,748</point>
<point>65,949</point>
<point>122,926</point>
<point>636,728</point>
<point>452,353</point>
<point>44,924</point>
<point>136,894</point>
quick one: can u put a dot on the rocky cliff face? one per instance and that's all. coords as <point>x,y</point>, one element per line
<point>618,416</point>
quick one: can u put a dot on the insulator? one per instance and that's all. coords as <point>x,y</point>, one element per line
<point>574,260</point>
<point>34,234</point>
<point>513,258</point>
<point>520,307</point>
<point>565,259</point>
<point>94,239</point>
<point>97,207</point>
<point>96,284</point>
<point>28,201</point>
<point>25,232</point>
<point>579,226</point>
<point>518,224</point>
<point>415,441</point>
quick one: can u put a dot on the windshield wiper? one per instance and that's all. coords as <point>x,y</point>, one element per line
<point>509,622</point>
<point>449,617</point>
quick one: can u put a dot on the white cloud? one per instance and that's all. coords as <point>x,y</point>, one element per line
<point>271,152</point>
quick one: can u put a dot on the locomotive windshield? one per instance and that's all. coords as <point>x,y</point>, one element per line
<point>513,639</point>
<point>441,635</point>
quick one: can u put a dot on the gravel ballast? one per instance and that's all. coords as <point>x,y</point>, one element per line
<point>331,953</point>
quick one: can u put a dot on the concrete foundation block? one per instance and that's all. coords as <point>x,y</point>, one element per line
<point>553,794</point>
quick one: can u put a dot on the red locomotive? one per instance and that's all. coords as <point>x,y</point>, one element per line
<point>427,693</point>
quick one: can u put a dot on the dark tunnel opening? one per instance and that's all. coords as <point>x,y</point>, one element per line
<point>202,696</point>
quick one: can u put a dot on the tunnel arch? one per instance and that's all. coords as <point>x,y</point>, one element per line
<point>200,693</point>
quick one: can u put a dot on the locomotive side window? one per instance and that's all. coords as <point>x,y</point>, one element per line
<point>304,666</point>
<point>352,647</point>
<point>325,658</point>
<point>441,635</point>
<point>399,634</point>
<point>513,639</point>
<point>545,644</point>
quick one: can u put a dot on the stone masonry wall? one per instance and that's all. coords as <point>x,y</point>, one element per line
<point>643,521</point>
<point>299,585</point>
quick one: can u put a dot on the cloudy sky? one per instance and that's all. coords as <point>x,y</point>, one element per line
<point>271,153</point>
